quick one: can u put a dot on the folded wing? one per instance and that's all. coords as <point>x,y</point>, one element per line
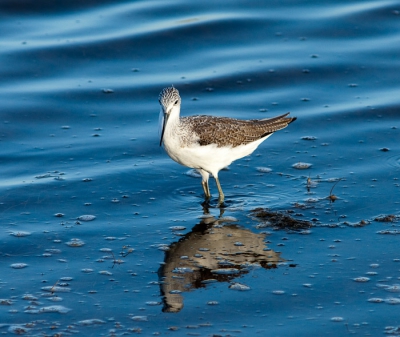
<point>223,131</point>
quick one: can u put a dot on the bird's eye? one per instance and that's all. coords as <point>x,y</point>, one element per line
<point>176,102</point>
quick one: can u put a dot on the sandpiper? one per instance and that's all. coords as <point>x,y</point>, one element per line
<point>209,143</point>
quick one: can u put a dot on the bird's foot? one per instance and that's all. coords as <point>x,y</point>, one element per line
<point>221,201</point>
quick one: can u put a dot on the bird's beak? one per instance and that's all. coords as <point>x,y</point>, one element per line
<point>164,117</point>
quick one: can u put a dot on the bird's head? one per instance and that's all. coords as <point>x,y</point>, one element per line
<point>170,103</point>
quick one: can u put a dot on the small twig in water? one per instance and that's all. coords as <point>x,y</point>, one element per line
<point>116,261</point>
<point>308,184</point>
<point>125,252</point>
<point>52,288</point>
<point>333,197</point>
<point>128,251</point>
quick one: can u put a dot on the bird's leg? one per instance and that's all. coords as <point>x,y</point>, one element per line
<point>204,182</point>
<point>206,189</point>
<point>221,194</point>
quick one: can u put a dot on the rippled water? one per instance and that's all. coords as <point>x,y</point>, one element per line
<point>78,136</point>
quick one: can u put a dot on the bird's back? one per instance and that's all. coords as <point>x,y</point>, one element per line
<point>230,132</point>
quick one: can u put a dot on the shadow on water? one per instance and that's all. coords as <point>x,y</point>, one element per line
<point>216,250</point>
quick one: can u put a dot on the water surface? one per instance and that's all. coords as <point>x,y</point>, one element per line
<point>78,136</point>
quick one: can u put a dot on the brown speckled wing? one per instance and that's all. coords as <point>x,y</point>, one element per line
<point>234,132</point>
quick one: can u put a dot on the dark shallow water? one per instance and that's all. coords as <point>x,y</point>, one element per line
<point>78,136</point>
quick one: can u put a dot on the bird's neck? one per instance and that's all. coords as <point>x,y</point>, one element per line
<point>172,132</point>
<point>173,118</point>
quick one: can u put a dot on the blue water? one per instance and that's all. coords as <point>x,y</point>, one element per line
<point>78,133</point>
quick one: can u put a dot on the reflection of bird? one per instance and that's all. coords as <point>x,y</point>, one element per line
<point>213,251</point>
<point>208,143</point>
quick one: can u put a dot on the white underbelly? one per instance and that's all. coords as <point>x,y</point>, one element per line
<point>210,157</point>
